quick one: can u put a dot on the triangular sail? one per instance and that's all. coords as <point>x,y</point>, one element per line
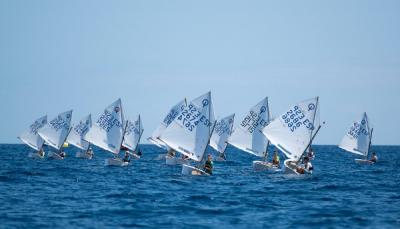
<point>133,133</point>
<point>357,139</point>
<point>247,136</point>
<point>190,131</point>
<point>108,131</point>
<point>292,131</point>
<point>221,133</point>
<point>56,131</point>
<point>31,136</point>
<point>172,114</point>
<point>77,133</point>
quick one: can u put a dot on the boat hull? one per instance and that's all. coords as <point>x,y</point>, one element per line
<point>264,166</point>
<point>115,162</point>
<point>35,156</point>
<point>191,170</point>
<point>169,160</point>
<point>55,156</point>
<point>364,162</point>
<point>83,155</point>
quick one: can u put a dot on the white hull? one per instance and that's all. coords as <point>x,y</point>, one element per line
<point>55,156</point>
<point>190,170</point>
<point>363,162</point>
<point>83,155</point>
<point>161,156</point>
<point>291,168</point>
<point>169,160</point>
<point>264,166</point>
<point>115,162</point>
<point>35,155</point>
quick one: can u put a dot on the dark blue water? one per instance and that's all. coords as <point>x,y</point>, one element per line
<point>84,193</point>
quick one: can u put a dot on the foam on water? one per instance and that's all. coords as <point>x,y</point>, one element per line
<point>84,193</point>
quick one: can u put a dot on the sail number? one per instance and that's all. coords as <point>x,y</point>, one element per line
<point>132,128</point>
<point>172,115</point>
<point>82,128</point>
<point>356,130</point>
<point>222,127</point>
<point>295,118</point>
<point>59,123</point>
<point>254,121</point>
<point>35,126</point>
<point>108,121</point>
<point>191,117</point>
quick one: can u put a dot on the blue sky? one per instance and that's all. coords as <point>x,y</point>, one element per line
<point>58,55</point>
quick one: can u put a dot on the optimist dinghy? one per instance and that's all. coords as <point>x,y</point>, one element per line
<point>221,134</point>
<point>133,133</point>
<point>358,140</point>
<point>56,132</point>
<point>31,138</point>
<point>190,132</point>
<point>108,132</point>
<point>293,132</point>
<point>249,138</point>
<point>76,135</point>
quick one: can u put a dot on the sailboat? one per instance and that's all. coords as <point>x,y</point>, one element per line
<point>248,137</point>
<point>76,135</point>
<point>293,132</point>
<point>220,135</point>
<point>190,132</point>
<point>55,132</point>
<point>31,137</point>
<point>173,112</point>
<point>108,132</point>
<point>133,133</point>
<point>358,139</point>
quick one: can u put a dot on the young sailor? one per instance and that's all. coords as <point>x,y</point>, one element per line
<point>310,153</point>
<point>41,152</point>
<point>306,167</point>
<point>374,158</point>
<point>126,157</point>
<point>222,156</point>
<point>208,166</point>
<point>275,159</point>
<point>62,154</point>
<point>89,152</point>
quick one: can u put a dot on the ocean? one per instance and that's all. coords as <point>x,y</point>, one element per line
<point>77,193</point>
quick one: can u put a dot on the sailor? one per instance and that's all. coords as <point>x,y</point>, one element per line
<point>208,166</point>
<point>275,159</point>
<point>41,153</point>
<point>310,154</point>
<point>62,154</point>
<point>139,153</point>
<point>89,152</point>
<point>222,156</point>
<point>126,157</point>
<point>171,153</point>
<point>374,158</point>
<point>306,167</point>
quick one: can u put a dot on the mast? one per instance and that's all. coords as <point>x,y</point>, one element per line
<point>140,134</point>
<point>315,114</point>
<point>312,138</point>
<point>369,144</point>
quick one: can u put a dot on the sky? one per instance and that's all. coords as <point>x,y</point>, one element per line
<point>83,55</point>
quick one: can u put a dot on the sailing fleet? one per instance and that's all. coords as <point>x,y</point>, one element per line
<point>190,127</point>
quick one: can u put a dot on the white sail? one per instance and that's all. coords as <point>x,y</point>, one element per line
<point>173,112</point>
<point>77,133</point>
<point>31,136</point>
<point>56,131</point>
<point>133,133</point>
<point>357,139</point>
<point>248,136</point>
<point>221,133</point>
<point>108,131</point>
<point>190,131</point>
<point>292,131</point>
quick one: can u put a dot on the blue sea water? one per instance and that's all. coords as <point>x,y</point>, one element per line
<point>84,193</point>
